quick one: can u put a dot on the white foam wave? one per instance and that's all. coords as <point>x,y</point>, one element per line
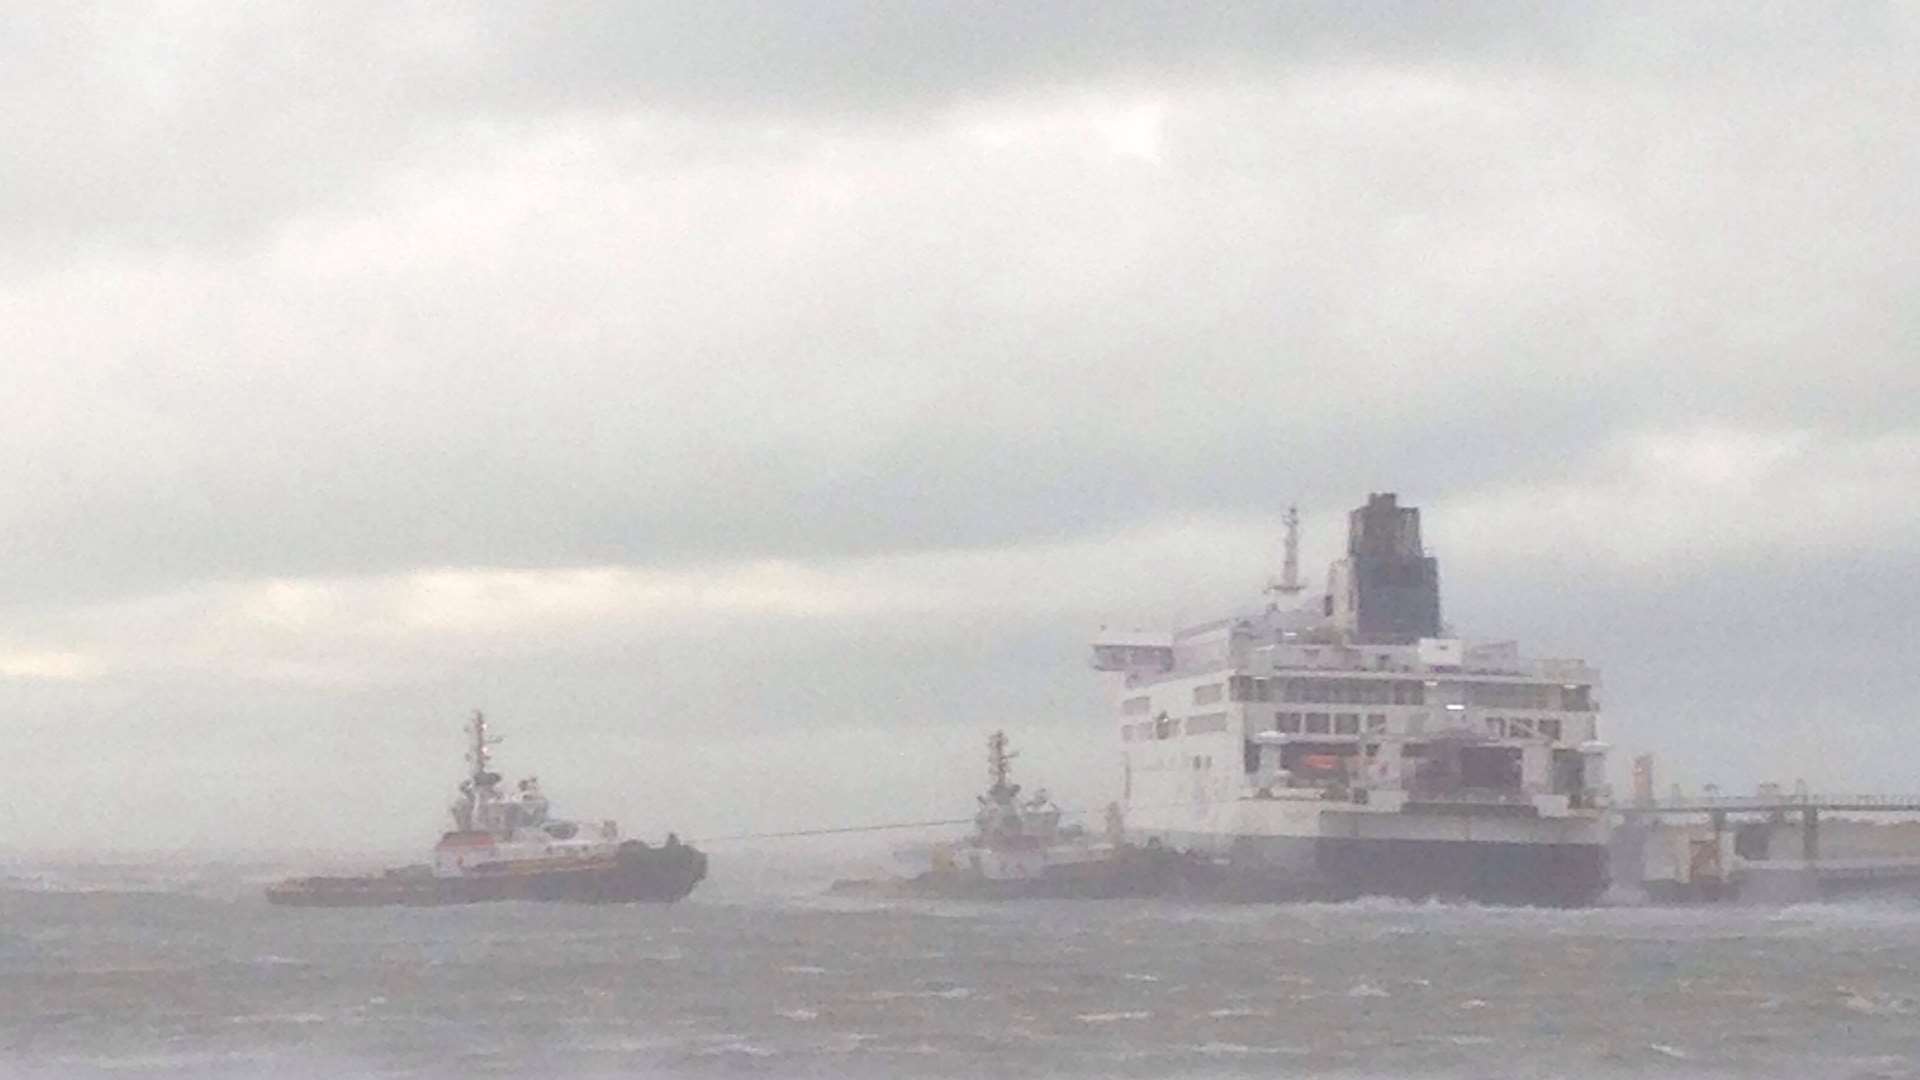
<point>1112,1017</point>
<point>1227,1049</point>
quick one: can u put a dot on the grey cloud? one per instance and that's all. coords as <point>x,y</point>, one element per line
<point>1117,343</point>
<point>213,123</point>
<point>870,55</point>
<point>144,127</point>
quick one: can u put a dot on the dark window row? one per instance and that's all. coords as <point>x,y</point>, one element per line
<point>1530,696</point>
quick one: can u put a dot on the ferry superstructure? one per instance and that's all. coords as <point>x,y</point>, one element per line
<point>1344,743</point>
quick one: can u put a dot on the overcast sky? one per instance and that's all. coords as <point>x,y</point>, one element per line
<point>753,404</point>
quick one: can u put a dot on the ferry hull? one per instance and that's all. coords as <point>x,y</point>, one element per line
<point>637,874</point>
<point>1326,868</point>
<point>1553,875</point>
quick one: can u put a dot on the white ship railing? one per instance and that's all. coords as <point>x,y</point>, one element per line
<point>1758,803</point>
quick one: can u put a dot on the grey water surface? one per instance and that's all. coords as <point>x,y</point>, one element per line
<point>195,975</point>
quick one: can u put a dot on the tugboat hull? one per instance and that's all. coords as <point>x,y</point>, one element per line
<point>1127,872</point>
<point>635,873</point>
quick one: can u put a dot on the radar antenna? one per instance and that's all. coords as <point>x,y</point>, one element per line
<point>1289,583</point>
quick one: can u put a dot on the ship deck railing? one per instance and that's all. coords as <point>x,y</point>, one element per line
<point>1782,803</point>
<point>1857,866</point>
<point>1470,796</point>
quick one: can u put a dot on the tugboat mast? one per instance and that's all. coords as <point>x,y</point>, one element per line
<point>478,789</point>
<point>481,754</point>
<point>999,762</point>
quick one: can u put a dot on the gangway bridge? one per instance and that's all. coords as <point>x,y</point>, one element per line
<point>1792,810</point>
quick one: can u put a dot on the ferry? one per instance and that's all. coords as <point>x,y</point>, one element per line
<point>1348,742</point>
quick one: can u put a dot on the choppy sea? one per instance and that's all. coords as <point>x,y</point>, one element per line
<point>183,971</point>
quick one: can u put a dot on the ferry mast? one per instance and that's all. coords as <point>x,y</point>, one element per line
<point>1289,584</point>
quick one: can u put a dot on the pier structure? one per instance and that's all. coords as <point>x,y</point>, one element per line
<point>1773,845</point>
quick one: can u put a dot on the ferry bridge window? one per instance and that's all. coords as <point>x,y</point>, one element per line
<point>1510,695</point>
<point>1318,723</point>
<point>1246,688</point>
<point>1361,692</point>
<point>1550,729</point>
<point>1347,724</point>
<point>1376,722</point>
<point>1288,722</point>
<point>1577,698</point>
<point>1206,724</point>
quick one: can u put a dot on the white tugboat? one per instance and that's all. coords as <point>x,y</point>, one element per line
<point>509,847</point>
<point>1351,745</point>
<point>1020,848</point>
